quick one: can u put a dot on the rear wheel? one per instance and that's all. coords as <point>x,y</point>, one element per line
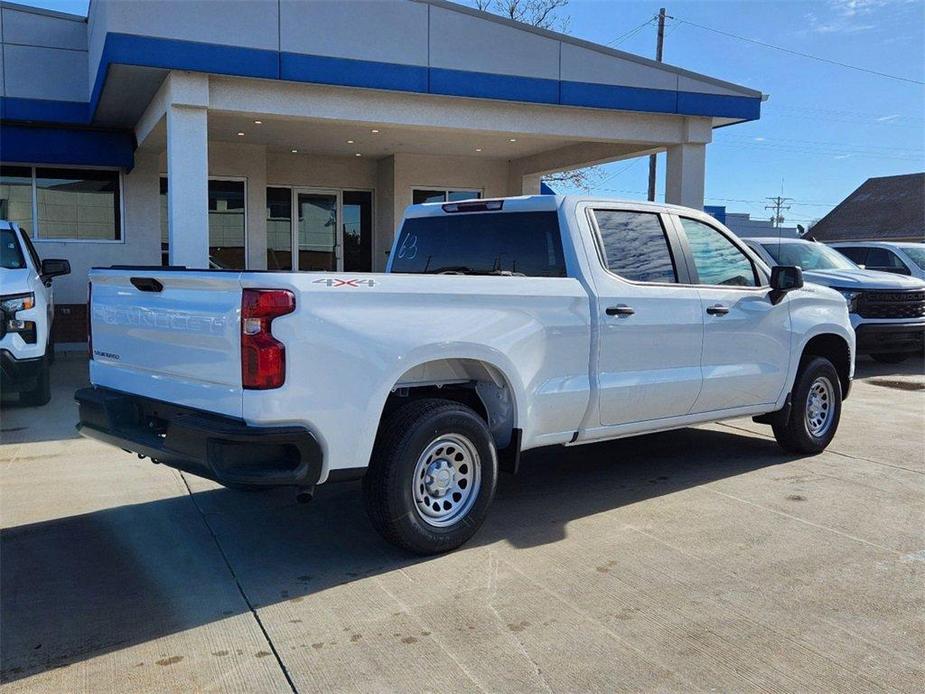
<point>41,393</point>
<point>432,476</point>
<point>890,357</point>
<point>815,409</point>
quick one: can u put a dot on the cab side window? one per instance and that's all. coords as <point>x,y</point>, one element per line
<point>885,260</point>
<point>857,255</point>
<point>634,246</point>
<point>717,260</point>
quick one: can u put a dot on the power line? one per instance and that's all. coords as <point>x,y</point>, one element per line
<point>777,204</point>
<point>800,53</point>
<point>631,33</point>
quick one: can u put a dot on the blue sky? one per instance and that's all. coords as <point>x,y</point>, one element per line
<point>824,130</point>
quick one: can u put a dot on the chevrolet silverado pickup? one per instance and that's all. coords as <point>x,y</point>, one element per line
<point>26,315</point>
<point>499,326</point>
<point>887,310</point>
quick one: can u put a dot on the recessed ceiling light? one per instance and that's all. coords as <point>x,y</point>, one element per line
<point>374,131</point>
<point>358,155</point>
<point>294,151</point>
<point>258,122</point>
<point>240,134</point>
<point>513,139</point>
<point>349,142</point>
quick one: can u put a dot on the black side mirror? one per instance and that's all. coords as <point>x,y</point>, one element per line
<point>54,267</point>
<point>786,277</point>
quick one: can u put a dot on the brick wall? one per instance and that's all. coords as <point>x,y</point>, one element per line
<point>70,323</point>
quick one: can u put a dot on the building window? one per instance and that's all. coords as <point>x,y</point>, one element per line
<point>421,195</point>
<point>16,196</point>
<point>227,223</point>
<point>62,204</point>
<point>358,231</point>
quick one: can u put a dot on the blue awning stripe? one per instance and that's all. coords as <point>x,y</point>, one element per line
<point>77,147</point>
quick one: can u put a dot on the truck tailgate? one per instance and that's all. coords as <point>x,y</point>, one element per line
<point>171,335</point>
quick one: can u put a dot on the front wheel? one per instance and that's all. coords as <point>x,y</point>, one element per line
<point>815,409</point>
<point>432,476</point>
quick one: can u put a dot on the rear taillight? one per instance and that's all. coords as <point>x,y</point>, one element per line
<point>90,319</point>
<point>263,358</point>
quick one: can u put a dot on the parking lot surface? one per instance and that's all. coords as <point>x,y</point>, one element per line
<point>702,559</point>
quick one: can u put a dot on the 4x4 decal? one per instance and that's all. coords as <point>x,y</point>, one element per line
<point>336,282</point>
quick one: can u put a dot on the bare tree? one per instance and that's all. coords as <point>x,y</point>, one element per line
<point>539,13</point>
<point>545,14</point>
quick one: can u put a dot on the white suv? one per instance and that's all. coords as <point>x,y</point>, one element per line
<point>26,312</point>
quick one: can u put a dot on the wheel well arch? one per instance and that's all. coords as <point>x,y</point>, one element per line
<point>472,382</point>
<point>834,348</point>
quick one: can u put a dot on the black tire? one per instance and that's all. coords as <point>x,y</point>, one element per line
<point>389,494</point>
<point>41,393</point>
<point>890,357</point>
<point>795,435</point>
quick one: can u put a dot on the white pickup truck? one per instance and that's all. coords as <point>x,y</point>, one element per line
<point>500,326</point>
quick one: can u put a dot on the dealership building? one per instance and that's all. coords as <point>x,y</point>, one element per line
<point>283,134</point>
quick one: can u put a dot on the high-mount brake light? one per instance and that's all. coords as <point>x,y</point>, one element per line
<point>263,357</point>
<point>474,206</point>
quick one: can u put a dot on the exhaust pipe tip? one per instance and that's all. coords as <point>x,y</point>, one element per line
<point>305,494</point>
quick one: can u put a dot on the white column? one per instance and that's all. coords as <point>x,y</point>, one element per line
<point>257,208</point>
<point>684,179</point>
<point>188,185</point>
<point>530,184</point>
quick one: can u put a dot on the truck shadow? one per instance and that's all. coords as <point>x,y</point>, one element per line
<point>76,587</point>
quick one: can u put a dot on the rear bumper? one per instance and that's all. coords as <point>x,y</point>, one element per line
<point>220,448</point>
<point>16,373</point>
<point>890,337</point>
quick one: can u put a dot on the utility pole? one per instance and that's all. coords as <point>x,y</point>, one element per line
<point>778,205</point>
<point>658,57</point>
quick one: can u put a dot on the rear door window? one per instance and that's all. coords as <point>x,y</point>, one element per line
<point>635,246</point>
<point>501,243</point>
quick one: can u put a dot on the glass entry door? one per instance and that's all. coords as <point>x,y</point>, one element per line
<point>317,231</point>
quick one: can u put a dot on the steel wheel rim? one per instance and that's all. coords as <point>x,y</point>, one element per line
<point>820,407</point>
<point>446,480</point>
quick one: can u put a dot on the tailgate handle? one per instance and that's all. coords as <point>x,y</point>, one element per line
<point>147,284</point>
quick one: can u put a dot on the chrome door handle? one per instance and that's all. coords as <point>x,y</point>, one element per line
<point>620,310</point>
<point>718,310</point>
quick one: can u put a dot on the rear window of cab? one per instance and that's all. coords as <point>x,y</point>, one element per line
<point>527,244</point>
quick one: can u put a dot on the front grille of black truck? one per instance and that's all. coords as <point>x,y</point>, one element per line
<point>891,304</point>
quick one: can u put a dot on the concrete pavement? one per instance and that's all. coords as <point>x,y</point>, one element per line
<point>692,560</point>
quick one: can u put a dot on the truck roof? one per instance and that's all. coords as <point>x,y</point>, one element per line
<point>539,203</point>
<point>775,239</point>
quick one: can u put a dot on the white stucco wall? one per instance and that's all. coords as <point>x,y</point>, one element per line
<point>43,56</point>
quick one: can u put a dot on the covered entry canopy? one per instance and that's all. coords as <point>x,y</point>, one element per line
<point>395,98</point>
